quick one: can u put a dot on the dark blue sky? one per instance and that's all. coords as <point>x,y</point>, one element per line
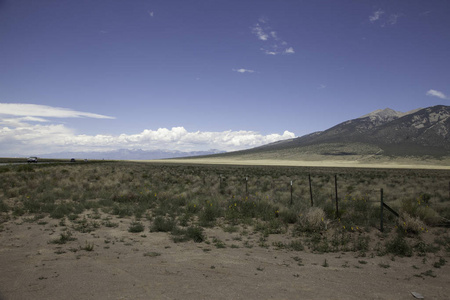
<point>213,66</point>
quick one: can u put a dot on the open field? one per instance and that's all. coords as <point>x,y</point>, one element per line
<point>311,160</point>
<point>125,230</point>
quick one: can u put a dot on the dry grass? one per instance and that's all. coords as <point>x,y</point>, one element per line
<point>182,200</point>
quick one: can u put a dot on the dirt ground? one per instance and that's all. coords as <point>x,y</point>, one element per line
<point>397,163</point>
<point>149,265</point>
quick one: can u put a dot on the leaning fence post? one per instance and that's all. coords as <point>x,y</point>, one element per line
<point>310,190</point>
<point>381,210</point>
<point>336,191</point>
<point>291,192</point>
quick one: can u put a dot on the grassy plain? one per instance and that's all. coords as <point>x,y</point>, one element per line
<point>156,230</point>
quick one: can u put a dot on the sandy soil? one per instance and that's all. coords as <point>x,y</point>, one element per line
<point>402,164</point>
<point>146,265</point>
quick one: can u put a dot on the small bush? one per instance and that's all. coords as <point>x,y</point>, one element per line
<point>418,208</point>
<point>361,243</point>
<point>288,216</point>
<point>440,263</point>
<point>160,224</point>
<point>399,246</point>
<point>195,233</point>
<point>410,224</point>
<point>312,221</point>
<point>63,238</point>
<point>136,227</point>
<point>88,247</point>
<point>3,206</point>
<point>208,215</point>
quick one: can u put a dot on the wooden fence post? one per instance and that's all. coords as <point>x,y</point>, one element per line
<point>246,186</point>
<point>336,191</point>
<point>310,190</point>
<point>381,210</point>
<point>291,192</point>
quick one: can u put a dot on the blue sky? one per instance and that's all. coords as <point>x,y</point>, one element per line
<point>196,75</point>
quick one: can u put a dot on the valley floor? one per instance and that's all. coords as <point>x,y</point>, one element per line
<point>390,164</point>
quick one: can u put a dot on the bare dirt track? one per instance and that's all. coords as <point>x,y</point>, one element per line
<point>149,265</point>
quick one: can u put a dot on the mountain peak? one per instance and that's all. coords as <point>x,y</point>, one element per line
<point>388,114</point>
<point>384,113</point>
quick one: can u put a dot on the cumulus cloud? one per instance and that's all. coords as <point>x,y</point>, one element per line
<point>243,70</point>
<point>289,50</point>
<point>273,44</point>
<point>438,94</point>
<point>22,134</point>
<point>35,110</point>
<point>58,138</point>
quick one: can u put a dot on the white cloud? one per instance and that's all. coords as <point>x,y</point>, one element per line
<point>438,94</point>
<point>259,32</point>
<point>243,71</point>
<point>41,139</point>
<point>151,14</point>
<point>35,110</point>
<point>289,50</point>
<point>376,15</point>
<point>265,33</point>
<point>268,52</point>
<point>393,19</point>
<point>23,131</point>
<point>322,86</point>
<point>379,16</point>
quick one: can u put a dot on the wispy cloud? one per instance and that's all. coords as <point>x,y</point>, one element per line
<point>392,19</point>
<point>243,71</point>
<point>322,86</point>
<point>376,15</point>
<point>273,44</point>
<point>438,94</point>
<point>382,19</point>
<point>35,110</point>
<point>150,13</point>
<point>259,32</point>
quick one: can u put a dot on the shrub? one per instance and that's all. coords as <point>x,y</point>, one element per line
<point>208,215</point>
<point>3,206</point>
<point>288,216</point>
<point>418,208</point>
<point>399,246</point>
<point>136,227</point>
<point>160,224</point>
<point>64,237</point>
<point>361,243</point>
<point>411,224</point>
<point>312,221</point>
<point>195,233</point>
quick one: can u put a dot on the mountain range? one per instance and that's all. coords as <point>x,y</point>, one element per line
<point>125,154</point>
<point>420,132</point>
<point>423,132</point>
